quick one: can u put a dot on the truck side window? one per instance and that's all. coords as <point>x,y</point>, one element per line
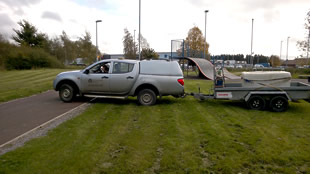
<point>97,69</point>
<point>121,67</point>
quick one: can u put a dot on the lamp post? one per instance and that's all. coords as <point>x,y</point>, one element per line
<point>134,43</point>
<point>287,51</point>
<point>97,39</point>
<point>139,29</point>
<point>205,44</point>
<point>280,51</point>
<point>252,59</point>
<point>308,47</point>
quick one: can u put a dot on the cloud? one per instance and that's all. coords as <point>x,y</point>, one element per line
<point>99,4</point>
<point>19,3</point>
<point>6,21</point>
<point>51,15</point>
<point>6,25</point>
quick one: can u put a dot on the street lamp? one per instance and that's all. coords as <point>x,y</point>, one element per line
<point>139,29</point>
<point>280,51</point>
<point>308,47</point>
<point>205,44</point>
<point>287,51</point>
<point>134,43</point>
<point>252,59</point>
<point>97,40</point>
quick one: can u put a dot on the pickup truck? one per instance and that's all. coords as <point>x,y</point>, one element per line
<point>120,78</point>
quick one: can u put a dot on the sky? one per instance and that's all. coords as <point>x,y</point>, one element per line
<point>228,29</point>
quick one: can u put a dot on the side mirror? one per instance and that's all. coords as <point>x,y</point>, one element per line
<point>86,71</point>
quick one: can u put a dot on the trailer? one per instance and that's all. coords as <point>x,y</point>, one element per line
<point>258,94</point>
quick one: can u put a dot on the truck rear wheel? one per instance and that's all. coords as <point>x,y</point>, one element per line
<point>147,97</point>
<point>66,93</point>
<point>278,104</point>
<point>256,102</point>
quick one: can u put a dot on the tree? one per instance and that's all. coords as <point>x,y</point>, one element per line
<point>28,35</point>
<point>303,45</point>
<point>55,47</point>
<point>144,43</point>
<point>195,44</point>
<point>149,53</point>
<point>70,48</point>
<point>274,61</point>
<point>130,48</point>
<point>85,48</point>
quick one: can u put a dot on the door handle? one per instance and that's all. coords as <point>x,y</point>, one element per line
<point>104,77</point>
<point>129,77</point>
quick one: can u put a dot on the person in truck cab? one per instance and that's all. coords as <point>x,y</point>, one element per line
<point>104,69</point>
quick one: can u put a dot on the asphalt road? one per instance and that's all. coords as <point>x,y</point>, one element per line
<point>22,115</point>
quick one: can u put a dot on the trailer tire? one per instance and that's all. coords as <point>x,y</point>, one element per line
<point>256,102</point>
<point>278,104</point>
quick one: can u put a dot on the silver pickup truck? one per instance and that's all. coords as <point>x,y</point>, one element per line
<point>116,78</point>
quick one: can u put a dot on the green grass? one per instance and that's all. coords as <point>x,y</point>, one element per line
<point>18,84</point>
<point>174,136</point>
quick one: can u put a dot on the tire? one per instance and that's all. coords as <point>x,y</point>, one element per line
<point>66,93</point>
<point>147,97</point>
<point>278,104</point>
<point>256,102</point>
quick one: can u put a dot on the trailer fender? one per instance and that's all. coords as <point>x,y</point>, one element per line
<point>269,93</point>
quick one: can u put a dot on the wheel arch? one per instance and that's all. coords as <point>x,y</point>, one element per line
<point>146,86</point>
<point>69,82</point>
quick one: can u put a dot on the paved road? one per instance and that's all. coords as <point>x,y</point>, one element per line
<point>20,116</point>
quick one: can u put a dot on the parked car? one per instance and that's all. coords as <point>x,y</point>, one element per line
<point>238,66</point>
<point>258,66</point>
<point>115,78</point>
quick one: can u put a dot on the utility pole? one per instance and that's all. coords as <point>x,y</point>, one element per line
<point>308,47</point>
<point>287,51</point>
<point>205,44</point>
<point>97,40</point>
<point>252,59</point>
<point>280,51</point>
<point>134,43</point>
<point>139,29</point>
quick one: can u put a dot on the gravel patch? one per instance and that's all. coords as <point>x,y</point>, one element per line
<point>42,129</point>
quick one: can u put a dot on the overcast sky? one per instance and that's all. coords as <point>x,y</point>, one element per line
<point>228,22</point>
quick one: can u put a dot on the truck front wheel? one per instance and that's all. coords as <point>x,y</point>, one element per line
<point>278,104</point>
<point>256,102</point>
<point>66,93</point>
<point>147,97</point>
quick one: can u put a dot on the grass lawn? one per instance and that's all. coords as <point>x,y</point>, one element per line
<point>174,136</point>
<point>18,84</point>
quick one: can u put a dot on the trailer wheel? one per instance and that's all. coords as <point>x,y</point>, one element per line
<point>256,102</point>
<point>278,104</point>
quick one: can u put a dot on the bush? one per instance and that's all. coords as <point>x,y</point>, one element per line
<point>5,49</point>
<point>28,58</point>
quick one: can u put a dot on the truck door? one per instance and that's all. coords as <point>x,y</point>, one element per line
<point>97,79</point>
<point>123,77</point>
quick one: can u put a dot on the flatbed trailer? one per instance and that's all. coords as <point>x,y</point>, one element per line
<point>258,98</point>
